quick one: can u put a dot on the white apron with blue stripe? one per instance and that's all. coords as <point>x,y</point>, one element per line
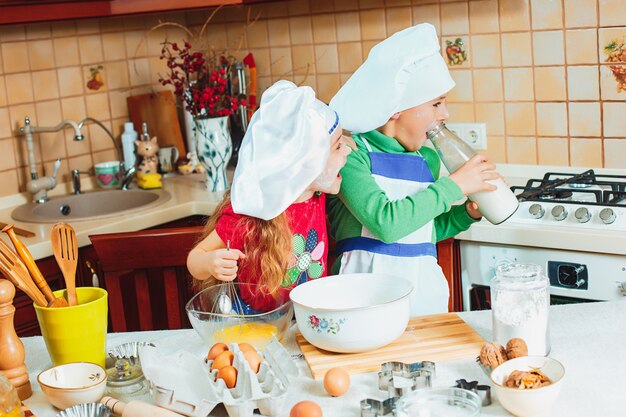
<point>414,257</point>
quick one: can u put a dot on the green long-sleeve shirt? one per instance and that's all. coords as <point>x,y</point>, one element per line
<point>361,202</point>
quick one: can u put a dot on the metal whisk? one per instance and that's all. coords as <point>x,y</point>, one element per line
<point>227,300</point>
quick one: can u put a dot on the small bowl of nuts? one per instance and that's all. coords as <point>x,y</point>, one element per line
<point>494,354</point>
<point>528,386</point>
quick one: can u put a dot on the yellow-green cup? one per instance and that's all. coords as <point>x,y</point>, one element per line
<point>77,333</point>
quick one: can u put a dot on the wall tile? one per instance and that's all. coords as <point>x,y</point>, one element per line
<point>139,71</point>
<point>45,85</point>
<point>137,43</point>
<point>553,151</point>
<point>514,15</point>
<point>367,47</point>
<point>300,30</point>
<point>257,34</point>
<point>6,129</point>
<point>427,13</point>
<point>235,37</point>
<point>303,59</point>
<point>583,83</point>
<point>114,46</point>
<point>585,152</point>
<point>548,48</point>
<point>38,31</point>
<point>487,85</point>
<point>117,102</point>
<point>348,26</point>
<point>70,81</point>
<point>90,48</point>
<point>614,151</point>
<point>550,84</point>
<point>546,14</point>
<point>461,112</point>
<point>19,88</point>
<point>327,58</point>
<point>99,138</point>
<point>327,86</point>
<point>516,49</point>
<point>278,31</point>
<point>372,24</point>
<point>581,46</point>
<point>454,19</point>
<point>521,150</point>
<point>350,56</point>
<point>518,84</point>
<point>496,149</point>
<point>398,18</point>
<point>15,57</point>
<point>117,74</point>
<point>612,13</point>
<point>370,4</point>
<point>98,106</point>
<point>343,5</point>
<point>613,119</point>
<point>52,144</point>
<point>12,33</point>
<point>66,51</point>
<point>8,182</point>
<point>41,54</point>
<point>463,90</point>
<point>7,154</point>
<point>3,92</point>
<point>324,28</point>
<point>87,26</point>
<point>611,88</point>
<point>62,29</point>
<point>296,7</point>
<point>322,6</point>
<point>580,13</point>
<point>551,119</point>
<point>608,36</point>
<point>483,16</point>
<point>485,51</point>
<point>281,61</point>
<point>492,114</point>
<point>584,119</point>
<point>111,24</point>
<point>520,119</point>
<point>394,3</point>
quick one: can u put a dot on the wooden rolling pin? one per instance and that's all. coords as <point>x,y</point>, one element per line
<point>18,231</point>
<point>136,409</point>
<point>34,271</point>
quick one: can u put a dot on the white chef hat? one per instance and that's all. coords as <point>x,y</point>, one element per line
<point>283,151</point>
<point>403,71</point>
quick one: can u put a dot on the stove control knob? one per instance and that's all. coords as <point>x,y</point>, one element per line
<point>559,212</point>
<point>607,216</point>
<point>536,211</point>
<point>582,215</point>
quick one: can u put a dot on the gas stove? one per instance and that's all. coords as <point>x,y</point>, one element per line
<point>586,201</point>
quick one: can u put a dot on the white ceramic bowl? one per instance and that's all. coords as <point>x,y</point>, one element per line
<point>73,383</point>
<point>352,312</point>
<point>528,402</point>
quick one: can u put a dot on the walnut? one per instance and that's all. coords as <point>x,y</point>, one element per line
<point>492,354</point>
<point>527,379</point>
<point>515,348</point>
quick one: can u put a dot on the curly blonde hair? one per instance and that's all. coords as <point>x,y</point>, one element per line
<point>267,246</point>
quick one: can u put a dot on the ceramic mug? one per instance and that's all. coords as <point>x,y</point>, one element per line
<point>108,174</point>
<point>168,156</point>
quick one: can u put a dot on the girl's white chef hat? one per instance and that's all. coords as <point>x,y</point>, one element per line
<point>283,151</point>
<point>403,71</point>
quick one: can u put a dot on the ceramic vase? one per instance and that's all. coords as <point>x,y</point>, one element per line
<point>214,148</point>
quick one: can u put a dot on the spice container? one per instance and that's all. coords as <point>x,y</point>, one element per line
<point>10,405</point>
<point>520,300</point>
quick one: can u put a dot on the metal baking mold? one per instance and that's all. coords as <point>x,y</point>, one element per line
<point>483,391</point>
<point>399,378</point>
<point>375,408</point>
<point>128,351</point>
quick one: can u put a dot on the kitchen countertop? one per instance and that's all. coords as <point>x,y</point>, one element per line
<point>587,338</point>
<point>189,197</point>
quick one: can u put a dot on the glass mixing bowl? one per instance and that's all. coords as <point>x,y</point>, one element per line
<point>439,402</point>
<point>214,315</point>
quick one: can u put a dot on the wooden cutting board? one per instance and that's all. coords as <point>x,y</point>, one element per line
<point>437,338</point>
<point>159,111</point>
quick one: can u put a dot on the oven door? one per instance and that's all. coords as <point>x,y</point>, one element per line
<point>574,276</point>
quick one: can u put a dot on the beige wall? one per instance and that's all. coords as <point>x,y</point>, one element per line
<point>535,71</point>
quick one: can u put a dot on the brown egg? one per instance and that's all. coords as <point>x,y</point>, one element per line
<point>306,409</point>
<point>215,350</point>
<point>223,359</point>
<point>336,381</point>
<point>244,347</point>
<point>253,359</point>
<point>229,375</point>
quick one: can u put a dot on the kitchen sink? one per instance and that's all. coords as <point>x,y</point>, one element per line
<point>90,206</point>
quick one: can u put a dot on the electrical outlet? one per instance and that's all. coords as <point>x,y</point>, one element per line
<point>475,134</point>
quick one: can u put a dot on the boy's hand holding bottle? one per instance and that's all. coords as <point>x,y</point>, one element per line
<point>471,177</point>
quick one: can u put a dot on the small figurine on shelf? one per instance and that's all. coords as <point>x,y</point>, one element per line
<point>147,175</point>
<point>191,165</point>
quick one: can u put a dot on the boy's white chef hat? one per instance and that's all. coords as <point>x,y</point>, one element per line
<point>283,151</point>
<point>403,71</point>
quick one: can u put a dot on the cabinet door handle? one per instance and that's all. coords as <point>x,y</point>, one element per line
<point>95,282</point>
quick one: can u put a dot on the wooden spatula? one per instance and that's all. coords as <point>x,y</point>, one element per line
<point>35,273</point>
<point>15,271</point>
<point>65,248</point>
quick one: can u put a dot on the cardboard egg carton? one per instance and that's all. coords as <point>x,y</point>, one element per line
<point>184,383</point>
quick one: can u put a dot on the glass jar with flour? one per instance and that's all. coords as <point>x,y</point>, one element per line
<point>520,301</point>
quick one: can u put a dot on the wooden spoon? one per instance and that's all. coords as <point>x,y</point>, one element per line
<point>15,271</point>
<point>35,273</point>
<point>65,248</point>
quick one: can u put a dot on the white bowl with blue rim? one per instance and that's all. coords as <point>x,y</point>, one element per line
<point>352,312</point>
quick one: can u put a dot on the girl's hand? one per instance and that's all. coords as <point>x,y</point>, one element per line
<point>472,176</point>
<point>222,263</point>
<point>472,210</point>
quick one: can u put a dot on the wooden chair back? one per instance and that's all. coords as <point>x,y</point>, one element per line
<point>146,277</point>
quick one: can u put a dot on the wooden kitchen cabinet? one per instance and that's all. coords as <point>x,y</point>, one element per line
<point>28,11</point>
<point>449,259</point>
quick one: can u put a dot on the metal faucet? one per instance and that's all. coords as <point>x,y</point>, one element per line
<point>39,187</point>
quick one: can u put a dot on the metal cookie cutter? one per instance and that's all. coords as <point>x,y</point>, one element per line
<point>398,378</point>
<point>375,408</point>
<point>483,391</point>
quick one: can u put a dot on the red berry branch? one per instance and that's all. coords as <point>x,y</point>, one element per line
<point>198,81</point>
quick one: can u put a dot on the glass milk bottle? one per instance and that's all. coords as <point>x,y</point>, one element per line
<point>497,205</point>
<point>520,300</point>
